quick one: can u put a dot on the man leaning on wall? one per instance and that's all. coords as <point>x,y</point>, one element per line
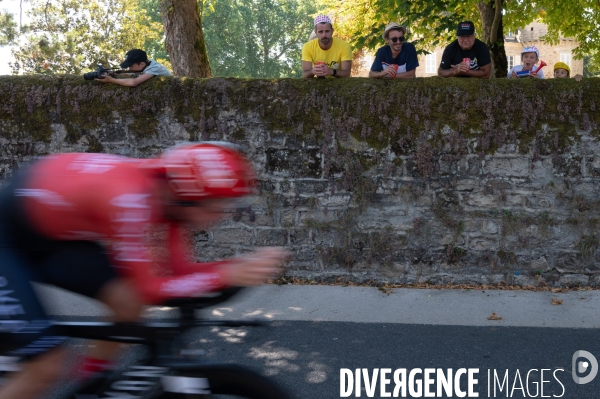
<point>327,56</point>
<point>467,56</point>
<point>397,59</point>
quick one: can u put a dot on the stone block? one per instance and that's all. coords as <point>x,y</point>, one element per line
<point>271,237</point>
<point>490,227</point>
<point>540,264</point>
<point>311,186</point>
<point>294,163</point>
<point>574,280</point>
<point>287,217</point>
<point>303,265</point>
<point>466,185</point>
<point>264,220</point>
<point>233,236</point>
<point>483,244</point>
<point>570,263</point>
<point>300,237</point>
<point>525,281</point>
<point>326,237</point>
<point>480,200</point>
<point>338,201</point>
<point>210,252</point>
<point>508,167</point>
<point>542,170</point>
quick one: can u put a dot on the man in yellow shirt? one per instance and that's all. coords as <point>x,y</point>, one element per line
<point>327,56</point>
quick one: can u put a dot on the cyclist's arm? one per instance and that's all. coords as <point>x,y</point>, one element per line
<point>131,217</point>
<point>132,257</point>
<point>249,269</point>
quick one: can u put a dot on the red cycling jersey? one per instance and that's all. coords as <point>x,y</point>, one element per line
<point>111,199</point>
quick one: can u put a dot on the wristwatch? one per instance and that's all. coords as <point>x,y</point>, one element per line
<point>334,72</point>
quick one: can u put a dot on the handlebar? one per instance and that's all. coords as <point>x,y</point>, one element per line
<point>210,299</point>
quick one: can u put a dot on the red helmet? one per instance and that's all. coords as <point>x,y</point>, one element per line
<point>205,170</point>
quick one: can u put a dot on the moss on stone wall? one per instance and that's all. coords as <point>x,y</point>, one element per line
<point>403,114</point>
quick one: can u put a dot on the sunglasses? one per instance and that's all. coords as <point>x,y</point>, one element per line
<point>397,39</point>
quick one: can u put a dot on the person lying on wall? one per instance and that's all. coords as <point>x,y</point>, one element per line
<point>141,68</point>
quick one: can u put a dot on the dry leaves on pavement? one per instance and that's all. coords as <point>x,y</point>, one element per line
<point>494,316</point>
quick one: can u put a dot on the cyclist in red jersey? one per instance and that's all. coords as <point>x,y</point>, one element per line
<point>79,221</point>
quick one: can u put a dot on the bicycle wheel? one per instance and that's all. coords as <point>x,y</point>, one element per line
<point>212,381</point>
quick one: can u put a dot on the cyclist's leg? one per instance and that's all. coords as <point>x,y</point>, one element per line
<point>85,268</point>
<point>214,380</point>
<point>25,332</point>
<point>37,375</point>
<point>205,381</point>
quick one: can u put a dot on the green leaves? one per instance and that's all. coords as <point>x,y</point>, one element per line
<point>71,36</point>
<point>8,29</point>
<point>578,19</point>
<point>257,38</point>
<point>433,22</point>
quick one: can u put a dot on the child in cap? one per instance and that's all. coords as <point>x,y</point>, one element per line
<point>562,70</point>
<point>529,57</point>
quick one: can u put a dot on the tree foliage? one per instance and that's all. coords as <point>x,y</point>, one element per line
<point>8,28</point>
<point>257,38</point>
<point>433,23</point>
<point>72,36</point>
<point>152,45</point>
<point>577,19</point>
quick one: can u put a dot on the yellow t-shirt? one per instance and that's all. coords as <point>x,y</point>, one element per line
<point>338,52</point>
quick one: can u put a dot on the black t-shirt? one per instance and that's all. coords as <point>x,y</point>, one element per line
<point>453,55</point>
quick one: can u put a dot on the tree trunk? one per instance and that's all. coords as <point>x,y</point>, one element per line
<point>493,35</point>
<point>184,38</point>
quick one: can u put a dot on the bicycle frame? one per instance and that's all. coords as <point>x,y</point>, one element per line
<point>171,370</point>
<point>156,335</point>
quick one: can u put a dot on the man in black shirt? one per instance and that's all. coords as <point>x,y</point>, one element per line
<point>466,57</point>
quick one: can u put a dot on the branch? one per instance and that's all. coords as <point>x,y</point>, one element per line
<point>287,46</point>
<point>46,15</point>
<point>496,23</point>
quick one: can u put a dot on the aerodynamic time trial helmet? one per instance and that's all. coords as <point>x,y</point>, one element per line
<point>205,170</point>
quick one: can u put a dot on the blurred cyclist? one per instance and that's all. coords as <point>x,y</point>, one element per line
<point>79,221</point>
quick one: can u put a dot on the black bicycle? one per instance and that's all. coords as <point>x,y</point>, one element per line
<point>172,370</point>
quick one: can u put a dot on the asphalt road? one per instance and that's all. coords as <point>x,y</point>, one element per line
<point>318,331</point>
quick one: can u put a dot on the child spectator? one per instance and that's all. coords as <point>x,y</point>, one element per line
<point>562,70</point>
<point>529,57</point>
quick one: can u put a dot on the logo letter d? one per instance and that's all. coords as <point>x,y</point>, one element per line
<point>583,367</point>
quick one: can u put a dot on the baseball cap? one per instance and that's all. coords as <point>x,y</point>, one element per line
<point>323,19</point>
<point>531,49</point>
<point>390,26</point>
<point>133,57</point>
<point>465,28</point>
<point>562,65</point>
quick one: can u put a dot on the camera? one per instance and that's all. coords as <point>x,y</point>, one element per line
<point>99,73</point>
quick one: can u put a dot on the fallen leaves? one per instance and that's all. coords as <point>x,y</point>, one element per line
<point>385,289</point>
<point>494,316</point>
<point>556,301</point>
<point>347,281</point>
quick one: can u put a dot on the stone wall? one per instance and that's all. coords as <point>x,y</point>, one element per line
<point>430,180</point>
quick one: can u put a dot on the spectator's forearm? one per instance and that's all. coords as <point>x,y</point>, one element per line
<point>406,75</point>
<point>342,74</point>
<point>447,73</point>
